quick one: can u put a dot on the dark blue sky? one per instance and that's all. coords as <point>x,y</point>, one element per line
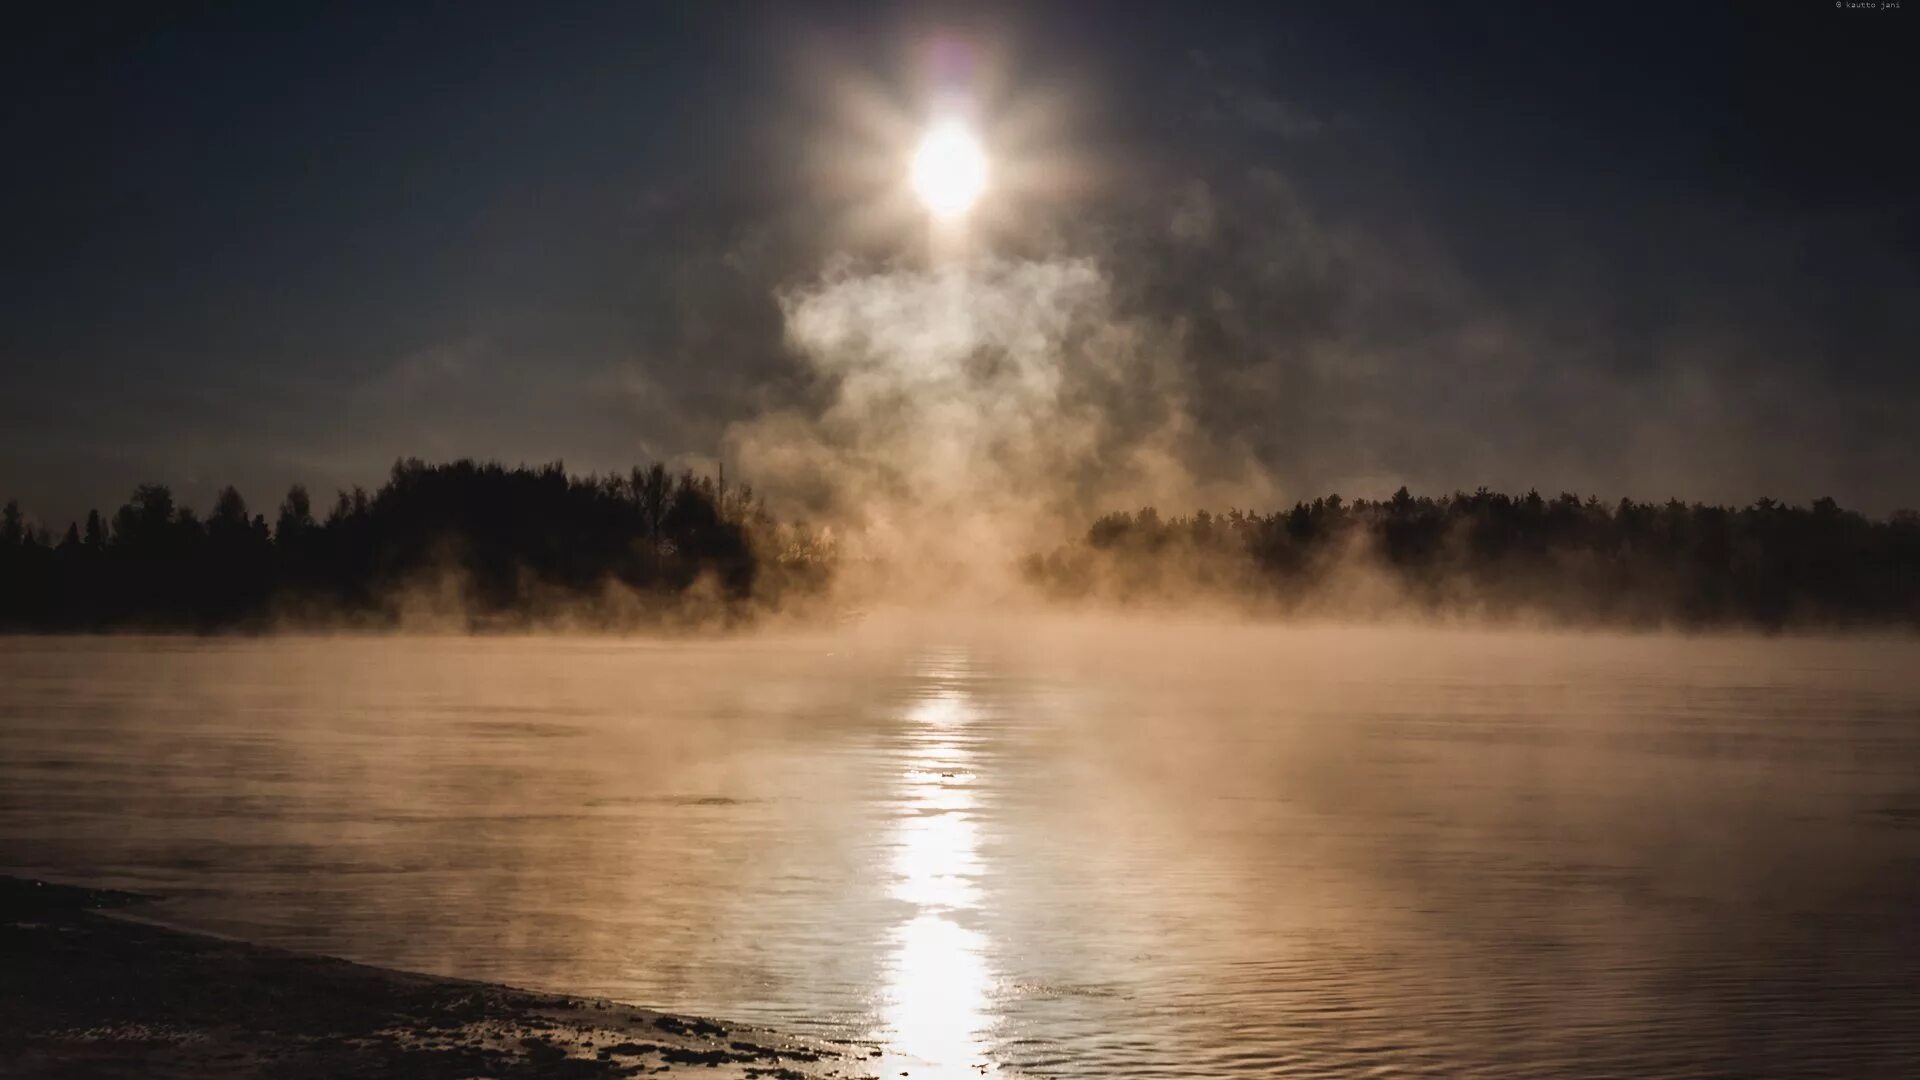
<point>1597,247</point>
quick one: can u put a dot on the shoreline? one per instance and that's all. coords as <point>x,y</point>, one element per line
<point>85,992</point>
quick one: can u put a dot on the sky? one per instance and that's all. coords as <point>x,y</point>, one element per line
<point>1601,248</point>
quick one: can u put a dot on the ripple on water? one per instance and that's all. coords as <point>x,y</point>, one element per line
<point>1174,854</point>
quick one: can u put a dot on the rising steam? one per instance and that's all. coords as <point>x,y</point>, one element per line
<point>967,412</point>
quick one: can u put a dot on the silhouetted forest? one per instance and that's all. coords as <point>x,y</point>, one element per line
<point>1563,559</point>
<point>482,543</point>
<point>487,545</point>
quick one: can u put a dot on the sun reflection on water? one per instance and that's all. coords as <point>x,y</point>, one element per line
<point>937,980</point>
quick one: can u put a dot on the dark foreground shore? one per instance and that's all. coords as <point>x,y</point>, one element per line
<point>88,990</point>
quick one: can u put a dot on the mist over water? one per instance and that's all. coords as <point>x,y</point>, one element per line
<point>1059,847</point>
<point>1178,844</point>
<point>1048,546</point>
<point>965,414</point>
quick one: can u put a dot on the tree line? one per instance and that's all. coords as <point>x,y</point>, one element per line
<point>1564,559</point>
<point>499,546</point>
<point>482,542</point>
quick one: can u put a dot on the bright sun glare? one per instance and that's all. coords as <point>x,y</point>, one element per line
<point>949,170</point>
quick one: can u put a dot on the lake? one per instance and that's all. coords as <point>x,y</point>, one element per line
<point>1047,846</point>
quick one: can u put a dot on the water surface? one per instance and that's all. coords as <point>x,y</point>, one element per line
<point>1050,849</point>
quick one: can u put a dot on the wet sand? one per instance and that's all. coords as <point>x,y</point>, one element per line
<point>87,989</point>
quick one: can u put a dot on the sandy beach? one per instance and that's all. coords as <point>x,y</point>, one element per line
<point>88,989</point>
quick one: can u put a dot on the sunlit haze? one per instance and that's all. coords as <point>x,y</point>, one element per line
<point>949,169</point>
<point>988,541</point>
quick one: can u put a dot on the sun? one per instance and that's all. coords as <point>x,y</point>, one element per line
<point>949,170</point>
